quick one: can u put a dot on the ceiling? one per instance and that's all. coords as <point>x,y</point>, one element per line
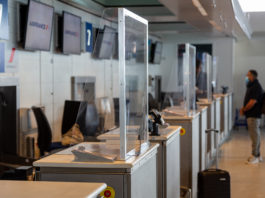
<point>257,23</point>
<point>224,17</point>
<point>127,3</point>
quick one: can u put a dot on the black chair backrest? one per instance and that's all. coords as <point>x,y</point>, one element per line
<point>152,103</point>
<point>70,113</point>
<point>44,130</point>
<point>88,119</point>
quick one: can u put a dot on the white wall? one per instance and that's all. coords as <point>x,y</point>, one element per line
<point>45,77</point>
<point>223,49</point>
<point>249,54</point>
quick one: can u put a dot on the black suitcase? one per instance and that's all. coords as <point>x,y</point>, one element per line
<point>214,183</point>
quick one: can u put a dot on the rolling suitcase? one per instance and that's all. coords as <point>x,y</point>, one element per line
<point>214,183</point>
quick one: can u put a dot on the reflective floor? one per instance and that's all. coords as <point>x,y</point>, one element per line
<point>247,181</point>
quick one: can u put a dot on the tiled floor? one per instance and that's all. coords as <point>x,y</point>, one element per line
<point>247,181</point>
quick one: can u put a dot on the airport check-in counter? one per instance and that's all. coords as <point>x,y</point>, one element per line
<point>129,167</point>
<point>210,125</point>
<point>224,117</point>
<point>217,126</point>
<point>32,189</point>
<point>168,159</point>
<point>133,178</point>
<point>189,149</point>
<point>203,137</point>
<point>230,112</point>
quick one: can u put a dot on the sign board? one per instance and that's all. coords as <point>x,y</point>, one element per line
<point>89,37</point>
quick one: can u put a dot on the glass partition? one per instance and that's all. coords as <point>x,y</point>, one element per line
<point>180,95</point>
<point>191,97</point>
<point>121,53</point>
<point>97,91</point>
<point>204,79</point>
<point>214,79</point>
<point>133,70</point>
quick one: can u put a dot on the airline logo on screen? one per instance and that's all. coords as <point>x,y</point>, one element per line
<point>72,33</point>
<point>38,25</point>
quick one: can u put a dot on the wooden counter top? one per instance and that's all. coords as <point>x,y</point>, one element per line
<point>33,189</point>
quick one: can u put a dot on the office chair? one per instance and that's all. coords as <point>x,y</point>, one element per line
<point>88,119</point>
<point>168,101</point>
<point>152,103</point>
<point>70,113</point>
<point>44,133</point>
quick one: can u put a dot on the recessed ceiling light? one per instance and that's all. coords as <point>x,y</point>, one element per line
<point>215,25</point>
<point>199,6</point>
<point>214,4</point>
<point>252,5</point>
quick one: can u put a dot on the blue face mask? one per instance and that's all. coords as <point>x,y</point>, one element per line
<point>246,80</point>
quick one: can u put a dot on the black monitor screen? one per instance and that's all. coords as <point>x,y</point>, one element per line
<point>39,26</point>
<point>71,34</point>
<point>158,53</point>
<point>104,48</point>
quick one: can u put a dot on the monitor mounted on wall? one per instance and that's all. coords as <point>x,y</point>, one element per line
<point>37,35</point>
<point>105,43</point>
<point>71,34</point>
<point>157,53</point>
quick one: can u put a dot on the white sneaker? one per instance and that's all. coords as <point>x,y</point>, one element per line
<point>260,159</point>
<point>253,160</point>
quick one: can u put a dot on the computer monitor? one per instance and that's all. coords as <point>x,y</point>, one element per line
<point>105,42</point>
<point>71,34</point>
<point>39,26</point>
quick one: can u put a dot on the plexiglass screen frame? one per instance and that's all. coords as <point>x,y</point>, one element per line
<point>207,65</point>
<point>191,97</point>
<point>133,77</point>
<point>180,95</point>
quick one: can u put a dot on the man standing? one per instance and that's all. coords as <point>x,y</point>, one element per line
<point>252,111</point>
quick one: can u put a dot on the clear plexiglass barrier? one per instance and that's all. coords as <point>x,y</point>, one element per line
<point>133,69</point>
<point>214,73</point>
<point>120,83</point>
<point>204,79</point>
<point>180,96</point>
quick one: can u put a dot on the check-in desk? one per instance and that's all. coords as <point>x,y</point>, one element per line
<point>134,178</point>
<point>217,126</point>
<point>168,159</point>
<point>230,112</point>
<point>203,139</point>
<point>210,125</point>
<point>189,149</point>
<point>224,117</point>
<point>33,189</point>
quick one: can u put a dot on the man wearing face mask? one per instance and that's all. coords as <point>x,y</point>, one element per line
<point>252,111</point>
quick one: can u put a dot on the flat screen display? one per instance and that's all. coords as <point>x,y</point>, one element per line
<point>39,26</point>
<point>71,33</point>
<point>105,42</point>
<point>158,53</point>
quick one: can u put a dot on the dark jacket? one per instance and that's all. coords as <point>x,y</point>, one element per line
<point>254,91</point>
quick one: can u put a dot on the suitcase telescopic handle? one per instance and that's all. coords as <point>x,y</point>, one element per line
<point>217,144</point>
